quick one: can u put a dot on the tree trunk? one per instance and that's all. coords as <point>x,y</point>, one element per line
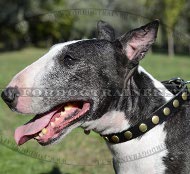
<point>170,44</point>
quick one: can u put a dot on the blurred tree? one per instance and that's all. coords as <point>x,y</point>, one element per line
<point>29,21</point>
<point>48,25</point>
<point>9,15</point>
<point>121,24</point>
<point>184,27</point>
<point>44,22</point>
<point>172,11</point>
<point>169,12</point>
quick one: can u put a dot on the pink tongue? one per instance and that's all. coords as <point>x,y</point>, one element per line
<point>34,126</point>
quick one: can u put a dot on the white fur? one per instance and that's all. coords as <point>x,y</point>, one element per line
<point>32,75</point>
<point>39,67</point>
<point>110,122</point>
<point>61,45</point>
<point>124,154</point>
<point>154,138</point>
<point>163,91</point>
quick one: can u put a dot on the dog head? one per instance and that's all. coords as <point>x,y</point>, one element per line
<point>74,82</point>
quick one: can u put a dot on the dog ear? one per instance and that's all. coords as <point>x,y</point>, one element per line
<point>105,31</point>
<point>136,42</point>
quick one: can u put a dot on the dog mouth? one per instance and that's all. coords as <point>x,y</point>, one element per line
<point>46,127</point>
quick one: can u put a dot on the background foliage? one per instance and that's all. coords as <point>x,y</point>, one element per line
<point>42,23</point>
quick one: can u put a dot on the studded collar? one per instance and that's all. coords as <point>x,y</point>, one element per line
<point>181,94</point>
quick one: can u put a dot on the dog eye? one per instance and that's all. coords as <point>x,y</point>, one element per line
<point>68,60</point>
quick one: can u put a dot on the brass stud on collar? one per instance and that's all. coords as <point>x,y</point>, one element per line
<point>115,139</point>
<point>176,103</point>
<point>166,111</point>
<point>184,96</point>
<point>128,135</point>
<point>143,127</point>
<point>155,119</point>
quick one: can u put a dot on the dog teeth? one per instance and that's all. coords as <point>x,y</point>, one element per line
<point>44,131</point>
<point>37,137</point>
<point>68,107</point>
<point>57,119</point>
<point>52,124</point>
<point>62,114</point>
<point>41,134</point>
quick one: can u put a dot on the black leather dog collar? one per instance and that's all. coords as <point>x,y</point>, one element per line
<point>179,88</point>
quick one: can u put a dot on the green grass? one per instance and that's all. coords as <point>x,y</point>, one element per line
<point>76,148</point>
<point>163,68</point>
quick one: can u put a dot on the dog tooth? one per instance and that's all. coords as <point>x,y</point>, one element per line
<point>44,131</point>
<point>52,124</point>
<point>56,119</point>
<point>62,114</point>
<point>68,107</point>
<point>37,137</point>
<point>41,134</point>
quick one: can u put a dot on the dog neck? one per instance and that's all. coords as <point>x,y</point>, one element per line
<point>144,95</point>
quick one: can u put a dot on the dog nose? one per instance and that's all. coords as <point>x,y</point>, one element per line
<point>10,96</point>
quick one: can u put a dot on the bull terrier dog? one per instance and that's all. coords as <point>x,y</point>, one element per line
<point>98,84</point>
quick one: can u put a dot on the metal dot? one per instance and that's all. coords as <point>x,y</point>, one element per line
<point>143,127</point>
<point>155,119</point>
<point>115,139</point>
<point>166,111</point>
<point>176,103</point>
<point>184,96</point>
<point>106,138</point>
<point>128,135</point>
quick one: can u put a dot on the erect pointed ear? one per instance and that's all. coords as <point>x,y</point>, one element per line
<point>105,31</point>
<point>136,42</point>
